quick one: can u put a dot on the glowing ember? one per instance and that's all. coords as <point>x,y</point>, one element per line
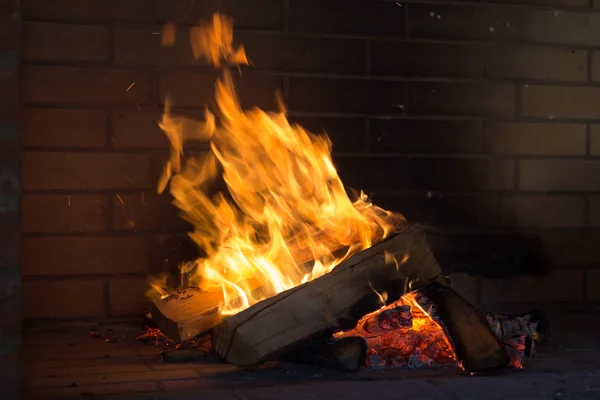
<point>285,218</point>
<point>402,335</point>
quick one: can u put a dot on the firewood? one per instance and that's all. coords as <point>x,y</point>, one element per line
<point>348,353</point>
<point>186,313</point>
<point>476,347</point>
<point>336,300</point>
<point>192,311</point>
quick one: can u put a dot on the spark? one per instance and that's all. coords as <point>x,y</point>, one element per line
<point>69,200</point>
<point>130,86</point>
<point>120,199</point>
<point>398,4</point>
<point>138,106</point>
<point>128,179</point>
<point>156,33</point>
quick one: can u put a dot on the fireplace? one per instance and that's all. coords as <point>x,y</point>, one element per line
<point>477,121</point>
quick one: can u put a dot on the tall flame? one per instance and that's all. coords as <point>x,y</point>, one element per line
<point>285,217</point>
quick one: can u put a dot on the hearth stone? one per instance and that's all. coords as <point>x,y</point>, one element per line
<point>70,362</point>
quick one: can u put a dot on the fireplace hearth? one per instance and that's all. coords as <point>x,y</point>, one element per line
<point>476,120</point>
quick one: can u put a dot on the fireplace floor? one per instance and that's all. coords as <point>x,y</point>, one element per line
<point>69,362</point>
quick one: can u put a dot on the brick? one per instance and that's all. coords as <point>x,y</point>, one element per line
<point>345,95</point>
<point>60,42</point>
<point>265,14</point>
<point>168,252</point>
<point>558,286</point>
<point>562,27</point>
<point>536,211</point>
<point>426,59</point>
<point>126,296</point>
<point>559,175</point>
<point>63,128</point>
<point>594,211</point>
<point>592,283</point>
<point>461,98</point>
<point>437,210</point>
<point>63,299</point>
<point>58,170</point>
<point>143,46</point>
<point>425,136</point>
<point>93,86</point>
<point>595,140</point>
<point>85,255</point>
<point>559,3</point>
<point>535,62</point>
<point>378,174</point>
<point>139,46</point>
<point>89,10</point>
<point>596,66</point>
<point>448,21</point>
<point>188,89</point>
<point>347,134</point>
<point>149,211</point>
<point>571,247</point>
<point>488,253</point>
<point>135,129</point>
<point>64,213</point>
<point>535,138</point>
<point>307,54</point>
<point>502,174</point>
<point>328,16</point>
<point>455,174</point>
<point>560,101</point>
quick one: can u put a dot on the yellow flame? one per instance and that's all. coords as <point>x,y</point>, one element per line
<point>285,217</point>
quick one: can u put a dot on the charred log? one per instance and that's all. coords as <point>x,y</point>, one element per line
<point>334,301</point>
<point>348,354</point>
<point>477,348</point>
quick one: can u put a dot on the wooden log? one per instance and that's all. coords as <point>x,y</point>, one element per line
<point>336,300</point>
<point>347,354</point>
<point>186,313</point>
<point>193,311</point>
<point>476,347</point>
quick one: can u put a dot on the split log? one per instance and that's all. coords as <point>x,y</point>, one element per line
<point>348,353</point>
<point>336,300</point>
<point>193,311</point>
<point>476,347</point>
<point>186,313</point>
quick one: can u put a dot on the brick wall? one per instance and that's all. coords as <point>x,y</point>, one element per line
<point>10,193</point>
<point>478,119</point>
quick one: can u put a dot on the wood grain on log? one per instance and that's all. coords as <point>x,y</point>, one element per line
<point>276,324</point>
<point>475,345</point>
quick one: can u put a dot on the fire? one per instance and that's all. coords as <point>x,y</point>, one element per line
<point>285,217</point>
<point>403,335</point>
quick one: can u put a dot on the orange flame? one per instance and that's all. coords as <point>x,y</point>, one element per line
<point>285,218</point>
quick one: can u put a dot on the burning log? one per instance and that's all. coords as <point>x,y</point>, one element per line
<point>190,312</point>
<point>348,353</point>
<point>477,348</point>
<point>335,300</point>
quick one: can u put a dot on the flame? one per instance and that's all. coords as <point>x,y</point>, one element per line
<point>285,217</point>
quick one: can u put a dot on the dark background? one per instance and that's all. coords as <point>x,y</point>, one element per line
<point>476,119</point>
